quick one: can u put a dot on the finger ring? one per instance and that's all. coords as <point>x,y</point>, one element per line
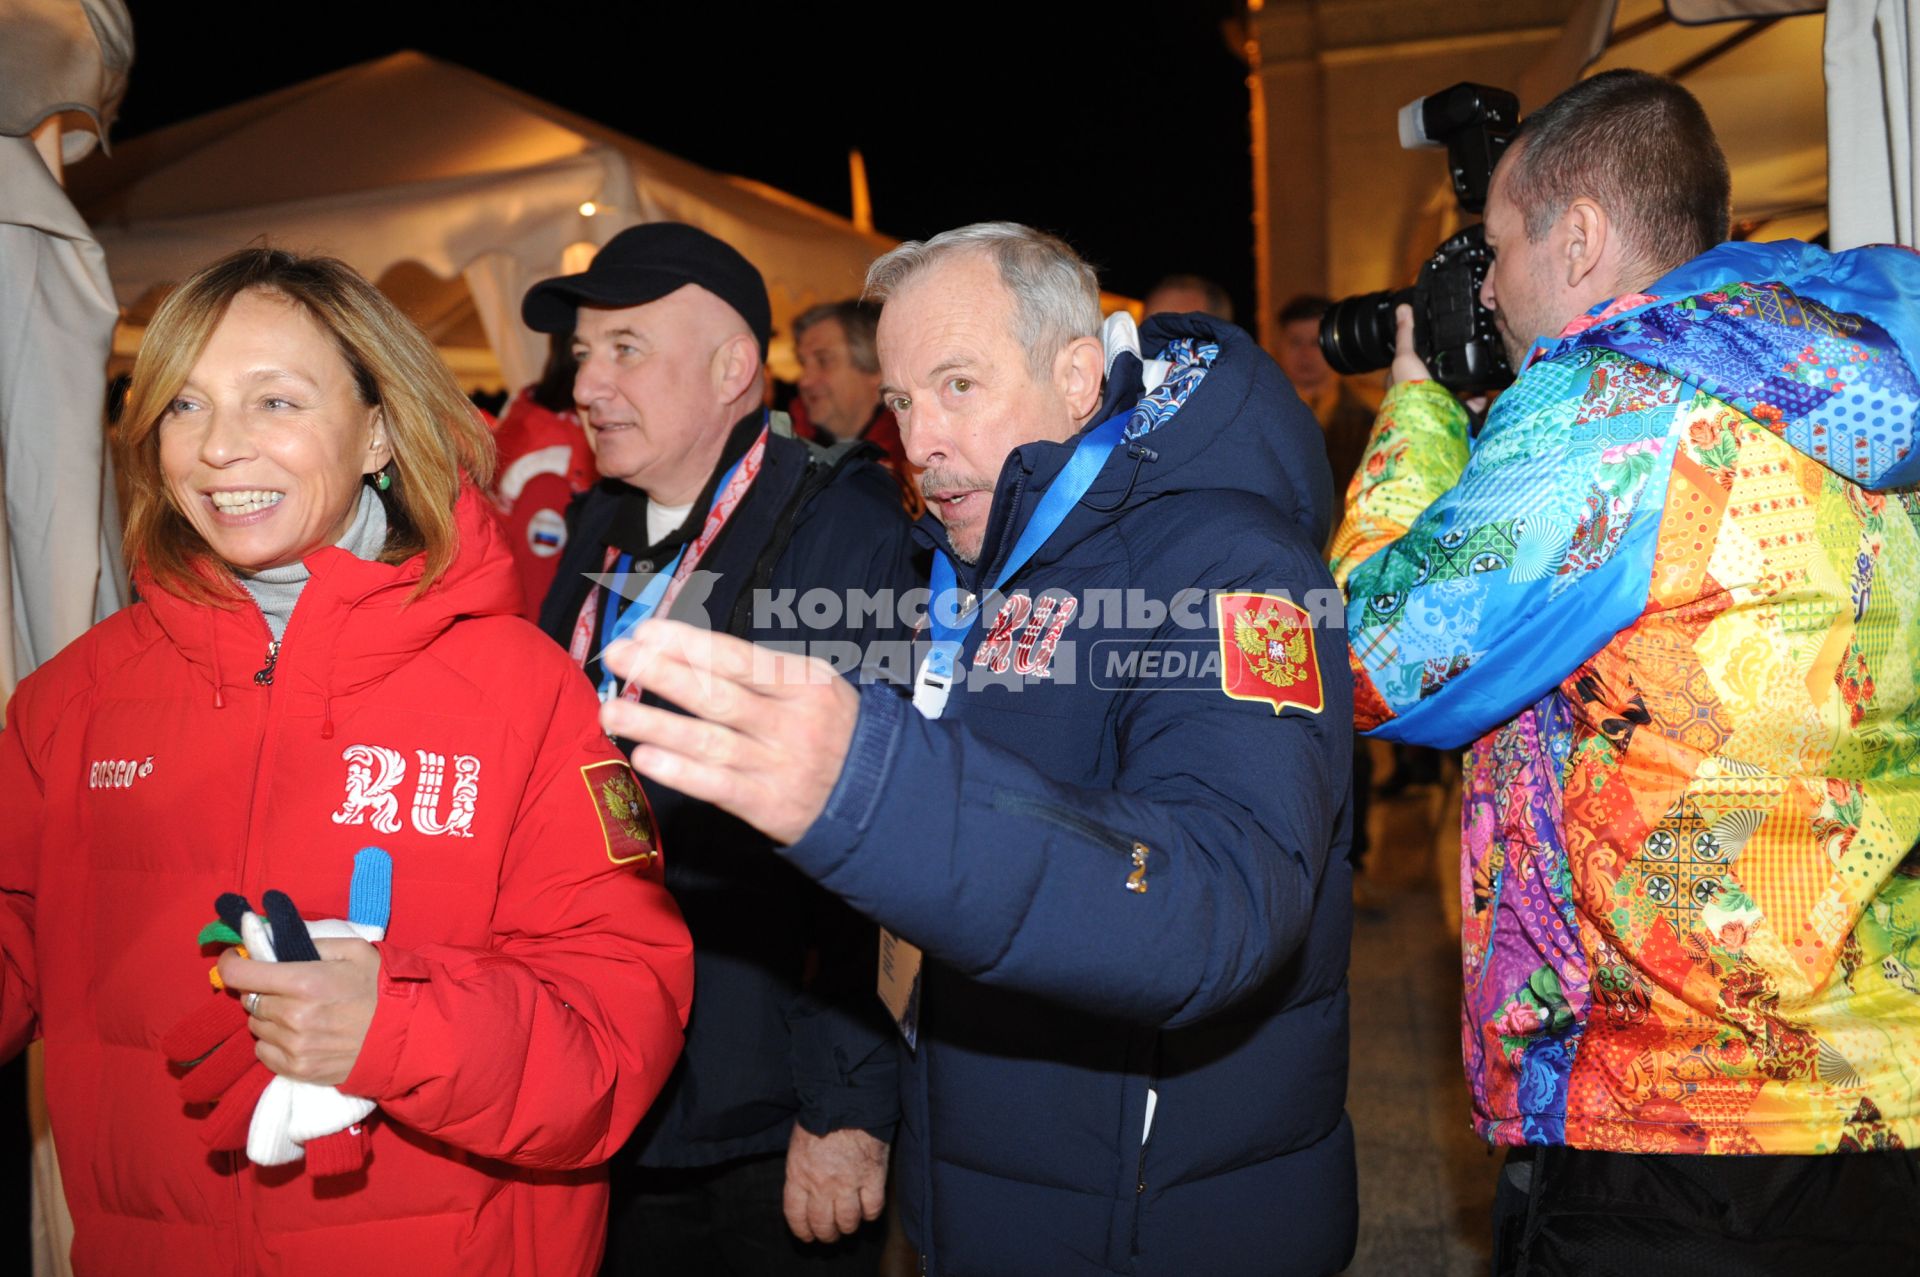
<point>252,1003</point>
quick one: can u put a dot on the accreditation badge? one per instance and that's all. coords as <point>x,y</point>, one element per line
<point>900,984</point>
<point>1267,652</point>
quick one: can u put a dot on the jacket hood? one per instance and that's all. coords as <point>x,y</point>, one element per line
<point>1821,347</point>
<point>1241,427</point>
<point>356,621</point>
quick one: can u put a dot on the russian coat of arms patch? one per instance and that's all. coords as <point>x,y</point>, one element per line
<point>1267,652</point>
<point>626,819</point>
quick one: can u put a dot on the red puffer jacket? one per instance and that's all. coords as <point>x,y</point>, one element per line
<point>534,981</point>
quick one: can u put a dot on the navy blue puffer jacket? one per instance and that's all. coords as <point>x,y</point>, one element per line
<point>1061,1001</point>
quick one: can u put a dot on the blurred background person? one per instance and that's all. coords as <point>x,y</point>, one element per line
<point>1344,411</point>
<point>545,461</point>
<point>1185,294</point>
<point>840,386</point>
<point>326,632</point>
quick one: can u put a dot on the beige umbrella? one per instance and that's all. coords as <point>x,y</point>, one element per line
<point>411,160</point>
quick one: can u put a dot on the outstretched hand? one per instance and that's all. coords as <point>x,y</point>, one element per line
<point>764,735</point>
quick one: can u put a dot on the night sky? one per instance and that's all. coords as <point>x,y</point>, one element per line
<point>1121,127</point>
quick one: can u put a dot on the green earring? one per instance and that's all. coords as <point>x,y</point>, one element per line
<point>383,480</point>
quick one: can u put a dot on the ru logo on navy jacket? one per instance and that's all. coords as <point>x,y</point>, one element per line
<point>1117,1071</point>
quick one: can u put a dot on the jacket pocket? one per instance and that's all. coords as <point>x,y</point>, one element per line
<point>1132,851</point>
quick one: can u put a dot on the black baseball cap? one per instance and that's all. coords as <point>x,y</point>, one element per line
<point>645,263</point>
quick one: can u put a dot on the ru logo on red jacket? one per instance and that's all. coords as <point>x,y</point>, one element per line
<point>374,772</point>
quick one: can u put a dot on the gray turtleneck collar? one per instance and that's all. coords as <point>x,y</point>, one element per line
<point>276,590</point>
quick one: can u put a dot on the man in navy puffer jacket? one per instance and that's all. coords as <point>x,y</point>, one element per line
<point>1117,827</point>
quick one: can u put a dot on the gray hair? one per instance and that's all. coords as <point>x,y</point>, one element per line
<point>1056,295</point>
<point>857,319</point>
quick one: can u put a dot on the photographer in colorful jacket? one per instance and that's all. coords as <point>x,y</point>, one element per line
<point>1666,599</point>
<point>326,659</point>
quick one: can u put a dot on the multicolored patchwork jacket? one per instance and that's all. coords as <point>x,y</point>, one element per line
<point>1670,598</point>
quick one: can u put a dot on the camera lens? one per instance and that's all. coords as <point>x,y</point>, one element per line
<point>1357,335</point>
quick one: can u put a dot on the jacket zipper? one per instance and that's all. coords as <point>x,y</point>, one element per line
<point>1065,817</point>
<point>1136,852</point>
<point>1146,1139</point>
<point>264,675</point>
<point>1013,507</point>
<point>263,678</point>
<point>1139,1196</point>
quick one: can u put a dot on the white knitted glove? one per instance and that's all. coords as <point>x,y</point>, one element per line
<point>289,1113</point>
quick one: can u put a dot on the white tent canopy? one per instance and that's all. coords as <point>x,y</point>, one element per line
<point>1344,209</point>
<point>408,159</point>
<point>1873,61</point>
<point>1755,65</point>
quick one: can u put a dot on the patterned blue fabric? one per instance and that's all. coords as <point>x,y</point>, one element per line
<point>1840,388</point>
<point>1466,602</point>
<point>1546,506</point>
<point>1190,360</point>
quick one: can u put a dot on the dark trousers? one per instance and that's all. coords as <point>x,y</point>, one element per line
<point>1569,1210</point>
<point>723,1220</point>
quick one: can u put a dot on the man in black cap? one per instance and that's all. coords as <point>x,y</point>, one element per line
<point>773,1133</point>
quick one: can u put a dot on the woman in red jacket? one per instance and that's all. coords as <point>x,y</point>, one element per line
<point>326,657</point>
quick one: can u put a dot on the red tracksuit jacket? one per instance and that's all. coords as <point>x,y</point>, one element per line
<point>544,462</point>
<point>534,981</point>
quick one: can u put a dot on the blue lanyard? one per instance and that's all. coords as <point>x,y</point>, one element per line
<point>948,624</point>
<point>619,621</point>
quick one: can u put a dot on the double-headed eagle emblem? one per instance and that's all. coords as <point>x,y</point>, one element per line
<point>1267,652</point>
<point>623,801</point>
<point>626,821</point>
<point>1275,645</point>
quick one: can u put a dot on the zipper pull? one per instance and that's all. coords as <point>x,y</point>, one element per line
<point>264,675</point>
<point>1137,880</point>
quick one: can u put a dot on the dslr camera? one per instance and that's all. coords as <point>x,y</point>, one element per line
<point>1453,332</point>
